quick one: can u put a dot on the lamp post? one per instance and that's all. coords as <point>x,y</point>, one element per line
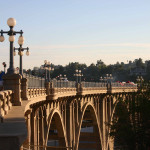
<point>11,23</point>
<point>107,78</point>
<point>20,53</point>
<point>78,76</point>
<point>4,64</point>
<point>45,67</point>
<point>49,70</point>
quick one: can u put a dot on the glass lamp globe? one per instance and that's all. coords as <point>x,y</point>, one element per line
<point>11,22</point>
<point>2,38</point>
<point>45,61</point>
<point>27,53</point>
<point>21,40</point>
<point>21,53</point>
<point>11,38</point>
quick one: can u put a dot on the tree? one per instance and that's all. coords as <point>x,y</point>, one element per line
<point>139,63</point>
<point>130,127</point>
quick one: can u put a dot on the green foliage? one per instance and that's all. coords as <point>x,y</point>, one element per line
<point>93,72</point>
<point>130,127</point>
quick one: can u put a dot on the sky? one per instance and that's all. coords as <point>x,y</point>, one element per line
<point>84,31</point>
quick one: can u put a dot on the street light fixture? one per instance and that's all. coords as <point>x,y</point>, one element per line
<point>20,53</point>
<point>45,67</point>
<point>78,75</point>
<point>49,67</point>
<point>107,78</point>
<point>61,77</point>
<point>11,23</point>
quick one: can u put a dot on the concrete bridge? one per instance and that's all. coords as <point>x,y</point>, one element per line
<point>73,115</point>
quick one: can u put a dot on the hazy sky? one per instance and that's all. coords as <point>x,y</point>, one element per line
<point>84,31</point>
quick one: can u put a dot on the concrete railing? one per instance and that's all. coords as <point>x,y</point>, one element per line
<point>5,102</point>
<point>36,92</point>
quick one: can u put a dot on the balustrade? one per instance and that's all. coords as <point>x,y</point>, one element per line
<point>5,102</point>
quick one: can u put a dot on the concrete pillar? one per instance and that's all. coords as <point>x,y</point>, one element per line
<point>41,129</point>
<point>13,82</point>
<point>69,124</point>
<point>24,88</point>
<point>104,125</point>
<point>32,129</point>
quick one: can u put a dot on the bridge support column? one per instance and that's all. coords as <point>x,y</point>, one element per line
<point>13,82</point>
<point>41,130</point>
<point>34,130</point>
<point>24,88</point>
<point>69,122</point>
<point>104,125</point>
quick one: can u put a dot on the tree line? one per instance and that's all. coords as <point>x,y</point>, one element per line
<point>93,72</point>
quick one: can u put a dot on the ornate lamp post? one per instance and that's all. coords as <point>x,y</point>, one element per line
<point>49,70</point>
<point>45,67</point>
<point>107,78</point>
<point>78,75</point>
<point>20,53</point>
<point>4,64</point>
<point>11,23</point>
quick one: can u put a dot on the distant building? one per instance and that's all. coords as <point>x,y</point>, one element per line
<point>138,71</point>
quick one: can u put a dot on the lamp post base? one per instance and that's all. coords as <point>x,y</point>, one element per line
<point>13,82</point>
<point>11,71</point>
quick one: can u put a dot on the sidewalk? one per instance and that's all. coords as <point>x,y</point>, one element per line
<point>13,131</point>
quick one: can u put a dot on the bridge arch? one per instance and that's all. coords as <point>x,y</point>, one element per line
<point>115,98</point>
<point>55,114</point>
<point>89,105</point>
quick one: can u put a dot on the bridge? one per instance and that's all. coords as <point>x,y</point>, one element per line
<point>58,115</point>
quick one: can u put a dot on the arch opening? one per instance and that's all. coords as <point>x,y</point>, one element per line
<point>56,136</point>
<point>90,131</point>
